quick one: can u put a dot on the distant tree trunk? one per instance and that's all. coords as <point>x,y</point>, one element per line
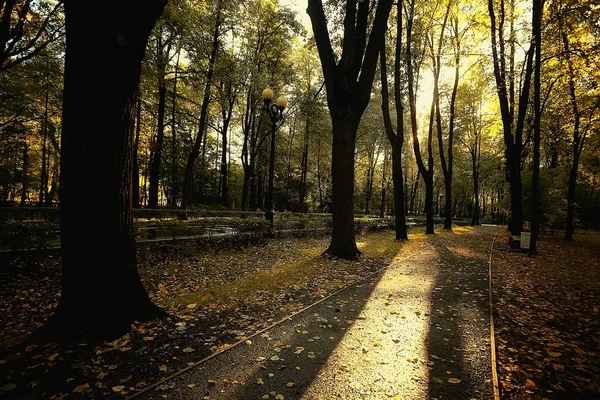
<point>475,213</point>
<point>189,168</point>
<point>349,82</point>
<point>25,183</point>
<point>578,135</point>
<point>136,146</point>
<point>369,188</point>
<point>223,173</point>
<point>304,167</point>
<point>384,184</point>
<point>44,172</point>
<point>319,172</point>
<point>174,185</point>
<point>447,168</point>
<point>414,194</point>
<point>160,131</point>
<point>101,290</point>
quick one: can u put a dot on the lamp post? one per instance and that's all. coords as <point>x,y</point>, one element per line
<point>275,112</point>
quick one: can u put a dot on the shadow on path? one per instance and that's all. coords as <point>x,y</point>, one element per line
<point>458,344</point>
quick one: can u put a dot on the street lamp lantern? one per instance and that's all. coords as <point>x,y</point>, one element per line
<point>275,113</point>
<point>268,94</point>
<point>281,102</point>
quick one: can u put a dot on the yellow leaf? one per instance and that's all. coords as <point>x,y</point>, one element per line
<point>259,381</point>
<point>118,389</point>
<point>453,380</point>
<point>529,384</point>
<point>163,368</point>
<point>81,388</point>
<point>290,384</point>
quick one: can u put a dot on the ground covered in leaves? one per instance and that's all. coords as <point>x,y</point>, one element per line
<point>214,298</point>
<point>548,319</point>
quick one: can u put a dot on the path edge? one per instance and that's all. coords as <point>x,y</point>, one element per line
<point>492,329</point>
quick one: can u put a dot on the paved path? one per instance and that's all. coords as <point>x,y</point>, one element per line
<point>417,330</point>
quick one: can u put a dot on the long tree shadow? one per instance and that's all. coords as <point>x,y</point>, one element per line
<point>458,340</point>
<point>282,360</point>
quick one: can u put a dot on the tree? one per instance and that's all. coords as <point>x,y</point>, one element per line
<point>348,82</point>
<point>447,163</point>
<point>538,6</point>
<point>396,139</point>
<point>195,152</point>
<point>505,85</point>
<point>567,21</point>
<point>26,29</point>
<point>101,289</point>
<point>413,61</point>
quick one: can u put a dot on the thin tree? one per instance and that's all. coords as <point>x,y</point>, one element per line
<point>448,163</point>
<point>101,289</point>
<point>535,187</point>
<point>396,139</point>
<point>348,81</point>
<point>505,85</point>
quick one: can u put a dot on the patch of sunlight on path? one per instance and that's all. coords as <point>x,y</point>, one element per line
<point>384,353</point>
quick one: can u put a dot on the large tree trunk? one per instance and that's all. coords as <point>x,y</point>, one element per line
<point>101,290</point>
<point>343,243</point>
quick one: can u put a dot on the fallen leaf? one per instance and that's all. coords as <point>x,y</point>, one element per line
<point>163,368</point>
<point>259,381</point>
<point>118,389</point>
<point>81,388</point>
<point>530,384</point>
<point>290,384</point>
<point>453,380</point>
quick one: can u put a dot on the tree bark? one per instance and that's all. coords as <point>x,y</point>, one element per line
<point>101,290</point>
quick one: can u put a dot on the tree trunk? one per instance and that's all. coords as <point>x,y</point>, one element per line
<point>101,290</point>
<point>223,172</point>
<point>475,213</point>
<point>304,166</point>
<point>25,173</point>
<point>174,184</point>
<point>343,243</point>
<point>136,165</point>
<point>44,172</point>
<point>160,131</point>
